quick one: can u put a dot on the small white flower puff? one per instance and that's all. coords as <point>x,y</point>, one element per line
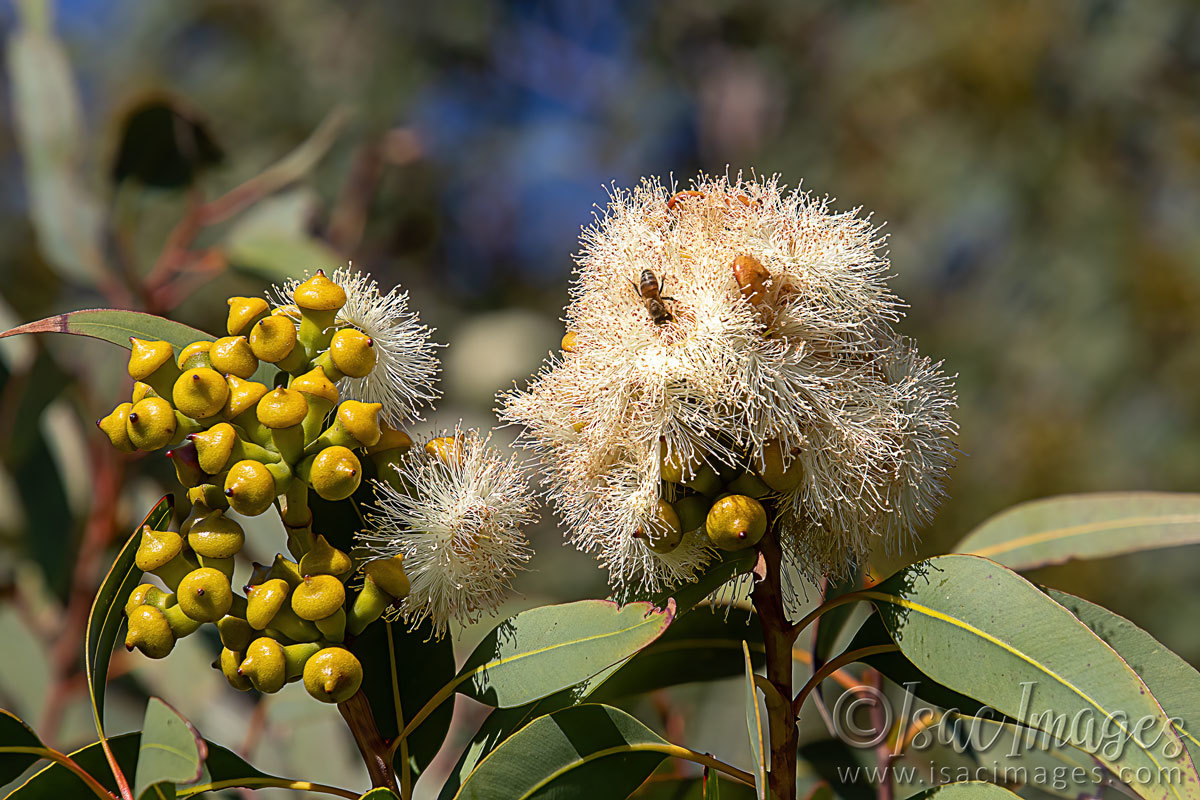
<point>458,523</point>
<point>812,362</point>
<point>406,362</point>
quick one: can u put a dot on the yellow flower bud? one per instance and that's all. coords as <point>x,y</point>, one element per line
<point>142,391</point>
<point>568,341</point>
<point>447,449</point>
<point>149,631</point>
<point>282,408</point>
<point>325,559</point>
<point>231,355</point>
<point>736,522</point>
<point>114,427</point>
<point>243,396</point>
<point>200,392</point>
<point>333,675</point>
<point>244,312</point>
<point>319,293</point>
<point>216,536</point>
<point>334,473</point>
<point>388,575</point>
<point>230,661</point>
<point>318,597</point>
<point>250,488</point>
<point>663,533</point>
<point>774,473</point>
<point>187,464</point>
<point>236,633</point>
<point>151,424</point>
<point>214,446</point>
<point>352,352</point>
<point>205,595</point>
<point>146,357</point>
<point>161,552</point>
<point>368,606</point>
<point>273,340</point>
<point>147,594</point>
<point>264,665</point>
<point>195,355</point>
<point>314,383</point>
<point>264,601</point>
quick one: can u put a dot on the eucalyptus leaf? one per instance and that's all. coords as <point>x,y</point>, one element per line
<point>583,751</point>
<point>754,727</point>
<point>543,650</point>
<point>965,790</point>
<point>984,631</point>
<point>1081,526</point>
<point>170,752</point>
<point>382,793</point>
<point>15,734</point>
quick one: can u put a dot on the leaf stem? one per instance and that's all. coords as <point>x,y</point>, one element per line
<point>704,759</point>
<point>440,697</point>
<point>268,783</point>
<point>848,657</point>
<point>375,753</point>
<point>66,761</point>
<point>405,767</point>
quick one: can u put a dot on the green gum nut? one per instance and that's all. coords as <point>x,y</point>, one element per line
<point>195,355</point>
<point>351,354</point>
<point>273,339</point>
<point>319,299</point>
<point>325,559</point>
<point>318,597</point>
<point>287,625</point>
<point>147,594</point>
<point>692,510</point>
<point>390,448</point>
<point>736,522</point>
<point>186,461</point>
<point>333,675</point>
<point>250,487</point>
<point>773,471</point>
<point>322,396</point>
<point>115,428</point>
<point>368,606</point>
<point>211,495</point>
<point>161,552</point>
<point>675,468</point>
<point>236,633</point>
<point>263,602</point>
<point>356,425</point>
<point>334,473</point>
<point>242,408</point>
<point>295,656</point>
<point>181,624</point>
<point>388,574</point>
<point>333,627</point>
<point>231,355</point>
<point>282,411</point>
<point>149,632</point>
<point>216,536</point>
<point>151,423</point>
<point>141,391</point>
<point>153,362</point>
<point>264,665</point>
<point>749,485</point>
<point>244,312</point>
<point>286,569</point>
<point>662,533</point>
<point>229,662</point>
<point>704,481</point>
<point>205,595</point>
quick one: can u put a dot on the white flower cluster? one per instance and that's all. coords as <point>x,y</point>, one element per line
<point>456,517</point>
<point>718,367</point>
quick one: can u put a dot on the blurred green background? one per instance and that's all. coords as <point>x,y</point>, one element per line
<point>1037,166</point>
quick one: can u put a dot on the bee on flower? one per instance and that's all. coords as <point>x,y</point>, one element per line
<point>454,509</point>
<point>735,339</point>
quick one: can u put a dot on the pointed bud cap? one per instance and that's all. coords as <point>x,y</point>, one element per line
<point>147,594</point>
<point>664,532</point>
<point>774,472</point>
<point>315,383</point>
<point>146,356</point>
<point>282,408</point>
<point>115,428</point>
<point>264,665</point>
<point>157,548</point>
<point>216,536</point>
<point>264,601</point>
<point>388,575</point>
<point>200,392</point>
<point>151,423</point>
<point>325,559</point>
<point>205,595</point>
<point>141,391</point>
<point>352,352</point>
<point>195,355</point>
<point>568,341</point>
<point>335,473</point>
<point>273,338</point>
<point>229,663</point>
<point>244,312</point>
<point>320,596</point>
<point>249,488</point>
<point>231,355</point>
<point>149,631</point>
<point>333,675</point>
<point>391,439</point>
<point>318,293</point>
<point>214,446</point>
<point>243,396</point>
<point>361,421</point>
<point>447,449</point>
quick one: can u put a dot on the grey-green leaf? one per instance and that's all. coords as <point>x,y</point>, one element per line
<point>583,751</point>
<point>754,726</point>
<point>984,631</point>
<point>14,733</point>
<point>170,752</point>
<point>966,790</point>
<point>543,650</point>
<point>1082,526</point>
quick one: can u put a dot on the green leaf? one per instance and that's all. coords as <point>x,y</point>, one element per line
<point>170,752</point>
<point>966,790</point>
<point>570,753</point>
<point>689,595</point>
<point>1174,682</point>
<point>1004,749</point>
<point>15,734</point>
<point>416,665</point>
<point>382,793</point>
<point>116,326</point>
<point>704,646</point>
<point>754,726</point>
<point>542,650</point>
<point>55,781</point>
<point>272,239</point>
<point>108,609</point>
<point>829,626</point>
<point>984,631</point>
<point>1081,526</point>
